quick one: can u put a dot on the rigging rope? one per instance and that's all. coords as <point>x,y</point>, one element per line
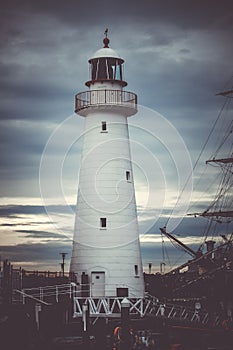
<point>197,160</point>
<point>164,251</point>
<point>228,128</point>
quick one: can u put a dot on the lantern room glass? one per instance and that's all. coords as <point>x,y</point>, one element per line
<point>106,69</point>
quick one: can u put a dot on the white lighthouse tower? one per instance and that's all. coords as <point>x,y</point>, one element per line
<point>106,249</point>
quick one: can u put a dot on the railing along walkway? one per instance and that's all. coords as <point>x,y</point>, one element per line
<point>45,295</point>
<point>148,306</point>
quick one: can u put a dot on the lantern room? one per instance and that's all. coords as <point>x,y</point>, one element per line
<point>106,66</point>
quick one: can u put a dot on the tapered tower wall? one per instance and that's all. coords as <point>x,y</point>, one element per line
<point>106,237</point>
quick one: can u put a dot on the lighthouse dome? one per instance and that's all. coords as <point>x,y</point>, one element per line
<point>106,52</point>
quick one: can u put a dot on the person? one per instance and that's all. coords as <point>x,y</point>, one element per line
<point>197,311</point>
<point>162,310</point>
<point>116,335</point>
<point>132,337</point>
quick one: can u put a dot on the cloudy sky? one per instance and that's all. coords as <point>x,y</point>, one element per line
<point>177,53</point>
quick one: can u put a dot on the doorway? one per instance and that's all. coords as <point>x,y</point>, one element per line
<point>98,284</point>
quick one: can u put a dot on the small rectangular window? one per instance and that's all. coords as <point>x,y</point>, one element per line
<point>136,270</point>
<point>127,174</point>
<point>104,126</point>
<point>103,222</point>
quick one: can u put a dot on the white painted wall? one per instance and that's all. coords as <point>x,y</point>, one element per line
<point>105,192</point>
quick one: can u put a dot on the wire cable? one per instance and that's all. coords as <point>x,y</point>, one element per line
<point>197,160</point>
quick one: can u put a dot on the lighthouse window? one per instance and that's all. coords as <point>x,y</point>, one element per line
<point>106,69</point>
<point>104,126</point>
<point>127,175</point>
<point>136,270</point>
<point>103,222</point>
<point>102,69</point>
<point>118,72</point>
<point>109,70</point>
<point>94,70</point>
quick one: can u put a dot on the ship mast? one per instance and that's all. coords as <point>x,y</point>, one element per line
<point>220,209</point>
<point>226,186</point>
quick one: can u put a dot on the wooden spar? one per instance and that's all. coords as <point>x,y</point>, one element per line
<point>189,250</point>
<point>225,93</point>
<point>220,160</point>
<point>226,214</point>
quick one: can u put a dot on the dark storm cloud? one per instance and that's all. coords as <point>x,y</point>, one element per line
<point>12,225</point>
<point>34,252</point>
<point>43,234</point>
<point>188,13</point>
<point>47,58</point>
<point>24,224</point>
<point>9,210</point>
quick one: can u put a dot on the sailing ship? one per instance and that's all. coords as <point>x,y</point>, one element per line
<point>207,277</point>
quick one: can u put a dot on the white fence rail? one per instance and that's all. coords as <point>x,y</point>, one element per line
<point>111,307</point>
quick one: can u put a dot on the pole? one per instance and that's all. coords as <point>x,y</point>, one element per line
<point>85,319</point>
<point>125,324</point>
<point>37,315</point>
<point>63,255</point>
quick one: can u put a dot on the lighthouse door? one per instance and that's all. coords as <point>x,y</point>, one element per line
<point>98,284</point>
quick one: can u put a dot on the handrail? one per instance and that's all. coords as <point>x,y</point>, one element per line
<point>31,297</point>
<point>105,97</point>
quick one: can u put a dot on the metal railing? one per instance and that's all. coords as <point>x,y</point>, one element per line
<point>46,295</point>
<point>144,307</point>
<point>148,306</point>
<point>96,98</point>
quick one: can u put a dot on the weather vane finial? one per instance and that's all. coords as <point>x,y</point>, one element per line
<point>106,40</point>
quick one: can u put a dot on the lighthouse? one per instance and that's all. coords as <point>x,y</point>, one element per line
<point>106,249</point>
